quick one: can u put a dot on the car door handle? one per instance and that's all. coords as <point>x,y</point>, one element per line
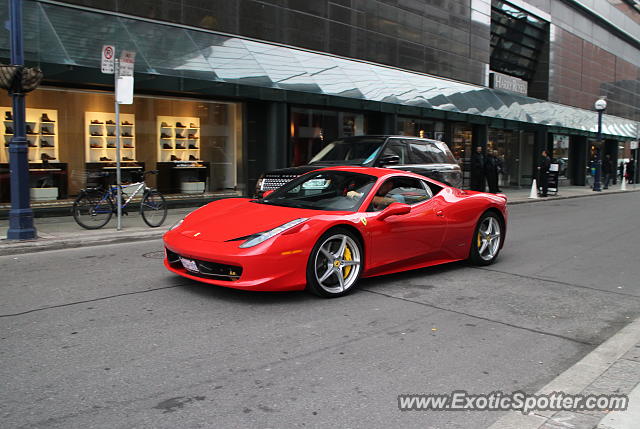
<point>440,213</point>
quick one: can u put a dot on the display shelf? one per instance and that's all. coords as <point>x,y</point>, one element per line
<point>42,145</point>
<point>180,139</point>
<point>106,126</point>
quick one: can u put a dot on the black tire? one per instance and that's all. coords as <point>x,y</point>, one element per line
<point>340,272</point>
<point>91,211</point>
<point>153,208</point>
<point>487,239</point>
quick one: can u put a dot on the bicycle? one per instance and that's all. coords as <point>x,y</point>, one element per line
<point>95,206</point>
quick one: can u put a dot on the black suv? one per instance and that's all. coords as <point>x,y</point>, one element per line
<point>430,158</point>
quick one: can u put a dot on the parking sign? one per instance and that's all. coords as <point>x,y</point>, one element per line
<point>108,59</point>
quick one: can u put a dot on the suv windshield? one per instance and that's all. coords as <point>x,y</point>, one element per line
<point>352,151</point>
<point>326,190</point>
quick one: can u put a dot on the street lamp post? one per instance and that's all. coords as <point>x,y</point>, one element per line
<point>600,106</point>
<point>20,216</point>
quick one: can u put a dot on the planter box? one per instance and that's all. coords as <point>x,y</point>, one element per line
<point>44,194</point>
<point>192,187</point>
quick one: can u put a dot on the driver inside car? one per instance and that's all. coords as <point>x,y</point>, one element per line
<point>383,197</point>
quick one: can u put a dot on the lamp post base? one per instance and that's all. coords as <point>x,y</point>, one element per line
<point>21,225</point>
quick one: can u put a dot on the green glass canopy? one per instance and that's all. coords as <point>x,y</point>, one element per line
<point>59,34</point>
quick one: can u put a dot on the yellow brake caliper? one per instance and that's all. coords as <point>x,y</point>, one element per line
<point>479,239</point>
<point>347,257</point>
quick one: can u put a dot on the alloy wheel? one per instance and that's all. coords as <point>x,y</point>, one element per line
<point>337,263</point>
<point>488,239</point>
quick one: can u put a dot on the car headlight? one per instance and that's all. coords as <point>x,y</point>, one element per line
<point>177,224</point>
<point>263,236</point>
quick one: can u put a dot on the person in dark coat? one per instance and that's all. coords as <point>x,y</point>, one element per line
<point>631,167</point>
<point>543,172</point>
<point>477,170</point>
<point>607,170</point>
<point>491,166</point>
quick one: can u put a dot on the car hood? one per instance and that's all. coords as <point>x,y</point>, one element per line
<point>233,218</point>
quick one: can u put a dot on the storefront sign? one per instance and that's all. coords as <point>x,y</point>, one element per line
<point>108,59</point>
<point>634,145</point>
<point>127,61</point>
<point>509,83</point>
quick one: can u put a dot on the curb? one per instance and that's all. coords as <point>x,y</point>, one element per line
<point>577,378</point>
<point>568,197</point>
<point>45,244</point>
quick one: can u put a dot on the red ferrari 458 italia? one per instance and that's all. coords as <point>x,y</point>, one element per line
<point>327,228</point>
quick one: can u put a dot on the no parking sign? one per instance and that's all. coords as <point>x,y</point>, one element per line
<point>108,59</point>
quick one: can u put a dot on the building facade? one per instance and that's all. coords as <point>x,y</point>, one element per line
<point>226,90</point>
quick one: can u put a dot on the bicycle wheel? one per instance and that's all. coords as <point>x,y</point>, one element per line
<point>92,212</point>
<point>153,208</point>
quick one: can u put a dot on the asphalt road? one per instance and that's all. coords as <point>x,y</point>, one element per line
<point>104,337</point>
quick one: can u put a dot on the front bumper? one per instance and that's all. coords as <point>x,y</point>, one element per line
<point>276,265</point>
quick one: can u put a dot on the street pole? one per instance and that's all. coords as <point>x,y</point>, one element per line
<point>20,216</point>
<point>118,175</point>
<point>598,161</point>
<point>600,106</point>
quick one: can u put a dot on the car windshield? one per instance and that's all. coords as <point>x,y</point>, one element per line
<point>353,151</point>
<point>326,190</point>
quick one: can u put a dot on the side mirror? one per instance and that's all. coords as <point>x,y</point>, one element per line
<point>394,209</point>
<point>389,160</point>
<point>265,194</point>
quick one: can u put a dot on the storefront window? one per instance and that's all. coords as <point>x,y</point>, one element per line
<point>312,129</point>
<point>504,144</point>
<point>421,128</point>
<point>461,149</point>
<point>561,154</point>
<point>72,142</point>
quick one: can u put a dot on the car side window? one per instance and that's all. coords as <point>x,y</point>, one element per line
<point>426,153</point>
<point>399,148</point>
<point>405,190</point>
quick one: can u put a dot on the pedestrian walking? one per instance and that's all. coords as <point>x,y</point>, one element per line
<point>621,170</point>
<point>491,171</point>
<point>607,170</point>
<point>477,170</point>
<point>543,173</point>
<point>500,166</point>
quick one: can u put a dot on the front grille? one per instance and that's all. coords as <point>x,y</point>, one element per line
<point>207,269</point>
<point>274,182</point>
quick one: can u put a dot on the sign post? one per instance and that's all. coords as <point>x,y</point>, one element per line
<point>123,79</point>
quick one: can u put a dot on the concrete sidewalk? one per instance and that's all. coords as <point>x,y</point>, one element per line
<point>613,368</point>
<point>63,232</point>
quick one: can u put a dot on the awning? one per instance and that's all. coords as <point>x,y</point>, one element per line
<point>58,34</point>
